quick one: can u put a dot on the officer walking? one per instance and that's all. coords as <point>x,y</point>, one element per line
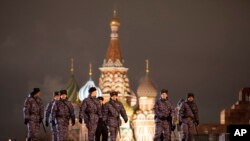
<point>112,111</point>
<point>102,129</point>
<point>62,112</point>
<point>56,97</point>
<point>33,114</point>
<point>90,112</point>
<point>189,118</point>
<point>164,113</point>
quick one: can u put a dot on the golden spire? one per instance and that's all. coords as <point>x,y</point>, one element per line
<point>114,13</point>
<point>115,21</point>
<point>72,66</point>
<point>147,66</point>
<point>90,69</point>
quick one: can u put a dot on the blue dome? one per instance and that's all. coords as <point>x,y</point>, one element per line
<point>84,91</point>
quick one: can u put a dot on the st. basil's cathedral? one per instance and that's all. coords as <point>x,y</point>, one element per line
<point>139,104</point>
<point>113,77</point>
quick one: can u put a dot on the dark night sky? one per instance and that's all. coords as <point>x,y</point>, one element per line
<point>199,46</point>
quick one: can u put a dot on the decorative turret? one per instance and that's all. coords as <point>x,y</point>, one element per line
<point>114,78</point>
<point>84,91</point>
<point>72,86</point>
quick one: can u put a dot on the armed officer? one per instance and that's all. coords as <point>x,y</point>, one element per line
<point>62,112</point>
<point>90,112</point>
<point>164,113</point>
<point>33,114</point>
<point>189,118</point>
<point>112,111</point>
<point>56,97</point>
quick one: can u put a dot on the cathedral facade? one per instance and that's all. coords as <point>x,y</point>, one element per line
<point>113,77</point>
<point>139,104</point>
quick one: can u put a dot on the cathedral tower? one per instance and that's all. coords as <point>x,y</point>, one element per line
<point>113,73</point>
<point>114,78</point>
<point>143,120</point>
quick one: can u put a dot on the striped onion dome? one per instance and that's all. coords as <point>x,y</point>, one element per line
<point>72,86</point>
<point>73,89</point>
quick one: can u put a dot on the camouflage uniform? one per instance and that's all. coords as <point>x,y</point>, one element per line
<point>188,115</point>
<point>90,111</point>
<point>112,111</point>
<point>101,129</point>
<point>164,112</point>
<point>47,118</point>
<point>62,111</point>
<point>33,115</point>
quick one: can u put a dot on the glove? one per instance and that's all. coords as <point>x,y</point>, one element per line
<point>197,122</point>
<point>173,127</point>
<point>40,120</point>
<point>126,120</point>
<point>26,121</point>
<point>53,123</point>
<point>46,123</point>
<point>73,122</point>
<point>80,120</point>
<point>180,123</point>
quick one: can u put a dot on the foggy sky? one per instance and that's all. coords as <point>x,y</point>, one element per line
<point>193,46</point>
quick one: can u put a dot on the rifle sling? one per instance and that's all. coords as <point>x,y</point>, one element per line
<point>68,108</point>
<point>191,110</point>
<point>114,107</point>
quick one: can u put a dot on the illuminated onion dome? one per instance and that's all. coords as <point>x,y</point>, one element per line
<point>146,87</point>
<point>84,91</point>
<point>72,87</point>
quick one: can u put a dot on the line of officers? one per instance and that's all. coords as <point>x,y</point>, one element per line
<point>104,119</point>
